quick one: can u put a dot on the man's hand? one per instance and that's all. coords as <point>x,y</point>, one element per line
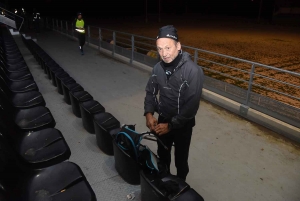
<point>151,121</point>
<point>162,129</point>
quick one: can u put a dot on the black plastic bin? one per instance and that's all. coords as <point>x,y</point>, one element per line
<point>44,59</point>
<point>103,123</point>
<point>60,79</point>
<point>55,71</point>
<point>48,65</point>
<point>126,166</point>
<point>58,75</point>
<point>77,98</point>
<point>70,87</point>
<point>88,109</point>
<point>49,69</point>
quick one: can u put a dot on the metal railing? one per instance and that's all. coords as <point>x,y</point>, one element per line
<point>270,90</point>
<point>12,16</point>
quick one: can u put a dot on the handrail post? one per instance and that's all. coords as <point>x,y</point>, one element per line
<point>250,85</point>
<point>67,32</point>
<point>61,26</point>
<point>53,24</point>
<point>100,37</point>
<point>132,49</point>
<point>114,43</point>
<point>89,36</point>
<point>72,29</point>
<point>196,56</point>
<point>57,24</point>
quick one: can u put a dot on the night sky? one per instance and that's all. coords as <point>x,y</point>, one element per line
<point>91,8</point>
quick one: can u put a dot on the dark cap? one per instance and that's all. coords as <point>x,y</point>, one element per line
<point>168,31</point>
<point>79,13</point>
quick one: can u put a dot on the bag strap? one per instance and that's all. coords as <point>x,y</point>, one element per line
<point>131,141</point>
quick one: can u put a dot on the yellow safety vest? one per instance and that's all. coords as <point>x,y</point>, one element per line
<point>80,24</point>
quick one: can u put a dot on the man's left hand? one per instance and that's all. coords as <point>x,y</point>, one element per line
<point>162,129</point>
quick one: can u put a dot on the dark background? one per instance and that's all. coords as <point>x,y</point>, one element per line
<point>92,8</point>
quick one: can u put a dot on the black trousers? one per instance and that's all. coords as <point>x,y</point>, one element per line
<point>182,139</point>
<point>37,26</point>
<point>81,39</point>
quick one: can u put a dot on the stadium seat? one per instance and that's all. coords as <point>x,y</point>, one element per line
<point>33,119</point>
<point>103,123</point>
<point>70,87</point>
<point>77,98</point>
<point>62,78</point>
<point>88,109</point>
<point>126,166</point>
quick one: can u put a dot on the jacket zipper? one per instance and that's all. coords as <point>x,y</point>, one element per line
<point>175,70</point>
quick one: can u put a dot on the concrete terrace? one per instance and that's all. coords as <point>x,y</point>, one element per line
<point>231,159</point>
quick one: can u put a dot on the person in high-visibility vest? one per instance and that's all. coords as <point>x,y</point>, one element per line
<point>80,29</point>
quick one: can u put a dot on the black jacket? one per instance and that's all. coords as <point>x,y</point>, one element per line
<point>179,96</point>
<point>36,16</point>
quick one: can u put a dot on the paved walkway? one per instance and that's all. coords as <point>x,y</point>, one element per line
<point>231,159</point>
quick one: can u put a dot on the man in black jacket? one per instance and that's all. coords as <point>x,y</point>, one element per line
<point>179,82</point>
<point>36,17</point>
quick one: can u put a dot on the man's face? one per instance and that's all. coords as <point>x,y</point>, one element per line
<point>168,49</point>
<point>79,17</point>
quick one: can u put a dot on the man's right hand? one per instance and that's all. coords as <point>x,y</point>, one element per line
<point>151,121</point>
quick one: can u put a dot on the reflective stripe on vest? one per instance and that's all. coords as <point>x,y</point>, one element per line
<point>80,24</point>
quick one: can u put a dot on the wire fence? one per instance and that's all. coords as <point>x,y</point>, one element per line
<point>273,91</point>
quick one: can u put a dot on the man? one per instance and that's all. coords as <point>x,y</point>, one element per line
<point>179,82</point>
<point>24,15</point>
<point>36,21</point>
<point>79,27</point>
